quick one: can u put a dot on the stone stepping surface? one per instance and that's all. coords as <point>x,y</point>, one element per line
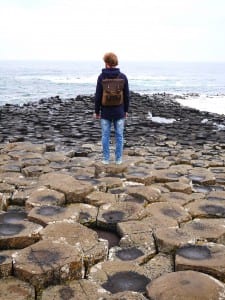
<point>210,230</point>
<point>209,258</point>
<point>117,277</point>
<point>44,196</point>
<point>74,190</point>
<point>169,214</point>
<point>16,232</point>
<point>111,214</point>
<point>71,227</point>
<point>77,289</point>
<point>48,262</point>
<point>79,212</point>
<point>169,239</point>
<point>146,193</point>
<point>185,285</point>
<point>180,198</point>
<point>98,198</point>
<point>80,237</point>
<point>206,209</point>
<point>13,288</point>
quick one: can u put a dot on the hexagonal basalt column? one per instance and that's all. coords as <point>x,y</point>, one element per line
<point>111,214</point>
<point>87,214</point>
<point>166,214</point>
<point>28,161</point>
<point>211,230</point>
<point>44,196</point>
<point>77,289</point>
<point>180,198</point>
<point>98,198</point>
<point>206,208</point>
<point>119,276</point>
<point>111,169</point>
<point>208,258</point>
<point>166,175</point>
<point>16,233</point>
<point>24,147</point>
<point>140,174</point>
<point>47,214</point>
<point>77,235</point>
<point>135,247</point>
<point>13,288</point>
<point>34,171</point>
<point>144,193</point>
<point>179,187</point>
<point>48,262</point>
<point>138,246</point>
<point>201,176</point>
<point>74,190</point>
<point>134,227</point>
<point>55,156</point>
<point>109,183</point>
<point>169,239</point>
<point>78,212</point>
<point>185,285</point>
<point>126,254</point>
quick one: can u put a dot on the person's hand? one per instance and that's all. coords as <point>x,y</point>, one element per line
<point>96,116</point>
<point>126,115</point>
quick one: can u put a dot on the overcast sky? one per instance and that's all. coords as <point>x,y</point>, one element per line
<point>153,30</point>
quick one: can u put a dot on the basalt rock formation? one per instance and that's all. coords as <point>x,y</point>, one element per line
<point>65,122</point>
<point>150,228</point>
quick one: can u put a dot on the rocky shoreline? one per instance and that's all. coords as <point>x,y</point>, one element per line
<point>69,123</point>
<point>72,228</point>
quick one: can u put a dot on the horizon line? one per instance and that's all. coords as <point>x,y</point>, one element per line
<point>96,60</point>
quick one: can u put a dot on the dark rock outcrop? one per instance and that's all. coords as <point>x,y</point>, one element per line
<point>65,122</point>
<point>71,227</point>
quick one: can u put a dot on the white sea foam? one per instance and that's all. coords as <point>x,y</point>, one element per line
<point>61,79</point>
<point>219,126</point>
<point>160,119</point>
<point>150,78</point>
<point>71,79</point>
<point>214,104</point>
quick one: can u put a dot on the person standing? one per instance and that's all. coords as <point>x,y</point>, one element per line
<point>111,114</point>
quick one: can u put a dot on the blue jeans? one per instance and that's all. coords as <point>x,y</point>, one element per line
<point>106,130</point>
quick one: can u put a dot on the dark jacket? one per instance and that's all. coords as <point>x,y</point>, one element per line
<point>111,112</point>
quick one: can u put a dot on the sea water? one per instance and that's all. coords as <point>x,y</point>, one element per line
<point>29,81</point>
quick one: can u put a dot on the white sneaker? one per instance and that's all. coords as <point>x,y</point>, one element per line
<point>105,162</point>
<point>119,162</point>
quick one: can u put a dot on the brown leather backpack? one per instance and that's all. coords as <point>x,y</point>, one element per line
<point>112,91</point>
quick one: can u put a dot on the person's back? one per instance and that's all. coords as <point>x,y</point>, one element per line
<point>111,113</point>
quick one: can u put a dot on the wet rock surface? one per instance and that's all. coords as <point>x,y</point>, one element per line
<point>187,285</point>
<point>71,227</point>
<point>45,121</point>
<point>208,258</point>
<point>118,277</point>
